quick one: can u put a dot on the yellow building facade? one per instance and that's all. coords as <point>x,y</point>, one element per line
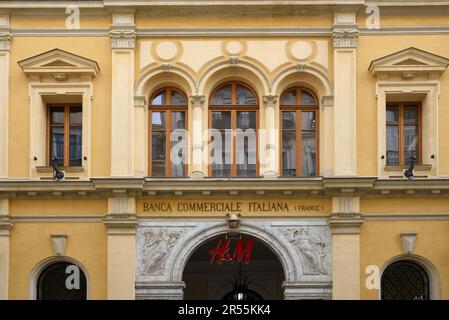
<point>343,186</point>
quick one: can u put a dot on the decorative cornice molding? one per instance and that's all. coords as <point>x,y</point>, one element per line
<point>5,40</point>
<point>345,35</point>
<point>197,101</point>
<point>270,101</point>
<point>123,37</point>
<point>121,224</point>
<point>140,102</point>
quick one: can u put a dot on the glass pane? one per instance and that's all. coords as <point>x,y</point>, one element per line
<point>178,120</point>
<point>410,143</point>
<point>221,120</point>
<point>75,146</point>
<point>57,115</point>
<point>221,155</point>
<point>392,146</point>
<point>392,114</point>
<point>158,120</point>
<point>177,98</point>
<point>308,121</point>
<point>246,120</point>
<point>411,114</point>
<point>307,98</point>
<point>288,120</point>
<point>76,116</point>
<point>158,154</point>
<point>177,153</point>
<point>246,146</point>
<point>289,154</point>
<point>290,98</point>
<point>57,144</point>
<point>223,96</point>
<point>245,96</point>
<point>159,99</point>
<point>308,153</point>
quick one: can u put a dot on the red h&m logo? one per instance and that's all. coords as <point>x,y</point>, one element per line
<point>223,252</point>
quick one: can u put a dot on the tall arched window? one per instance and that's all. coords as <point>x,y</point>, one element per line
<point>405,280</point>
<point>299,136</point>
<point>167,136</point>
<point>233,116</point>
<point>62,281</point>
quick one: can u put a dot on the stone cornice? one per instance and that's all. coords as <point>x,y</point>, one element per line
<point>123,36</point>
<point>102,188</point>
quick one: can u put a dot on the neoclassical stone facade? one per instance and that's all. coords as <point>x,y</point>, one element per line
<point>345,100</point>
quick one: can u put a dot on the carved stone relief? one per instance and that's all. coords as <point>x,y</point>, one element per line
<point>314,248</point>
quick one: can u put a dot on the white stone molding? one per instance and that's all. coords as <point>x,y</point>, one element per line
<point>5,231</point>
<point>58,243</point>
<point>427,265</point>
<point>198,103</point>
<point>174,243</point>
<point>123,31</point>
<point>42,265</point>
<point>408,240</point>
<point>5,41</point>
<point>57,75</point>
<point>412,75</point>
<point>43,92</point>
<point>345,30</point>
<point>270,168</point>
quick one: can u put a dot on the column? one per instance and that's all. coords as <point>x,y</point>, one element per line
<point>270,103</point>
<point>5,39</point>
<point>5,229</point>
<point>121,224</point>
<point>140,137</point>
<point>123,39</point>
<point>197,136</point>
<point>345,223</point>
<point>345,33</point>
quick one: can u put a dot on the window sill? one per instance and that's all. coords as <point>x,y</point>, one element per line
<point>418,167</point>
<point>46,169</point>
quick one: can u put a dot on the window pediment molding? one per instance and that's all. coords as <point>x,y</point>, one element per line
<point>59,64</point>
<point>408,64</point>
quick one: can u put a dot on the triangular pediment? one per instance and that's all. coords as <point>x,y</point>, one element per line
<point>59,62</point>
<point>411,61</point>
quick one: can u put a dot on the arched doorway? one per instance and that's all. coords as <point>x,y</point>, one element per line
<point>213,273</point>
<point>61,280</point>
<point>405,280</point>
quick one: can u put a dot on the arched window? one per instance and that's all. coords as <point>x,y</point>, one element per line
<point>62,281</point>
<point>167,124</point>
<point>405,280</point>
<point>299,136</point>
<point>233,116</point>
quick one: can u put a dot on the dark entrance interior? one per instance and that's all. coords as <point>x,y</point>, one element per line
<point>233,280</point>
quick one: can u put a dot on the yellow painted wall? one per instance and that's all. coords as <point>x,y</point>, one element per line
<point>405,205</point>
<point>95,48</point>
<point>85,22</point>
<point>31,243</point>
<point>373,47</point>
<point>58,207</point>
<point>380,241</point>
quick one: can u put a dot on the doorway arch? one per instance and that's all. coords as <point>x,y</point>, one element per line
<point>209,275</point>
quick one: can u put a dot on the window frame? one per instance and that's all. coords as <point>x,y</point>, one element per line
<point>299,108</point>
<point>168,108</point>
<point>401,106</point>
<point>67,107</point>
<point>234,108</point>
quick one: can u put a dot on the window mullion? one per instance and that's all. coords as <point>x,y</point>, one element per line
<point>401,134</point>
<point>66,135</point>
<point>167,143</point>
<point>299,142</point>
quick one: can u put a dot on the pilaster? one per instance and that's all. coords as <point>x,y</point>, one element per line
<point>198,103</point>
<point>121,224</point>
<point>140,134</point>
<point>344,35</point>
<point>345,223</point>
<point>5,42</point>
<point>270,103</point>
<point>123,41</point>
<point>5,229</point>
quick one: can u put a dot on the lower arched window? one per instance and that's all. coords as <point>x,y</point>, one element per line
<point>405,280</point>
<point>62,281</point>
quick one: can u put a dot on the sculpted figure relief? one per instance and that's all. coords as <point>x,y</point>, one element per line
<point>311,248</point>
<point>158,244</point>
